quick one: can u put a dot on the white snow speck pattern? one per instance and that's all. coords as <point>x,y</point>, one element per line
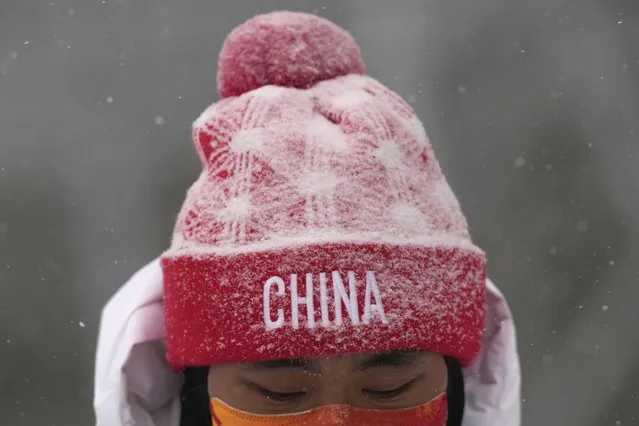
<point>346,159</point>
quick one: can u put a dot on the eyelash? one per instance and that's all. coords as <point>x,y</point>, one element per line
<point>281,396</point>
<point>390,394</point>
<point>291,396</point>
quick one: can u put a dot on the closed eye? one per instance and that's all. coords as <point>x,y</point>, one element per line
<point>389,393</point>
<point>280,396</point>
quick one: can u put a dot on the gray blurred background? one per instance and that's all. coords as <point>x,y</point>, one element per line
<point>533,108</point>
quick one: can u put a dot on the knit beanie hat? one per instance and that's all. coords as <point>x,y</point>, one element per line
<point>321,223</point>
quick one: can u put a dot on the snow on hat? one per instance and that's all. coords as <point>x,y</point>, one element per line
<point>321,223</point>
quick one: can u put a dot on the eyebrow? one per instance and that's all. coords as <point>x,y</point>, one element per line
<point>397,358</point>
<point>299,363</point>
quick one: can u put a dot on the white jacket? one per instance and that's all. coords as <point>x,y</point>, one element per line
<point>134,386</point>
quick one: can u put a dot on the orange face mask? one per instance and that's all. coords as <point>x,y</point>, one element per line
<point>433,413</point>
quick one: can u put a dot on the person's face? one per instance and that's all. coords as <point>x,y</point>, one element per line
<point>384,381</point>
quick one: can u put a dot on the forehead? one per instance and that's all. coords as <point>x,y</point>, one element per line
<point>356,362</point>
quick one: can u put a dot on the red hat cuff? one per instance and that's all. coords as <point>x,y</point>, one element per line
<point>323,300</point>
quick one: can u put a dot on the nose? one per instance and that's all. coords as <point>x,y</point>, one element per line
<point>331,416</point>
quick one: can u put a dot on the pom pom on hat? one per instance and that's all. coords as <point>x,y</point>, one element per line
<point>288,49</point>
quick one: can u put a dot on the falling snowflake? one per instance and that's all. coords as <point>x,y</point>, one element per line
<point>158,120</point>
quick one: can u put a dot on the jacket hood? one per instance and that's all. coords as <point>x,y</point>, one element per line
<point>134,385</point>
